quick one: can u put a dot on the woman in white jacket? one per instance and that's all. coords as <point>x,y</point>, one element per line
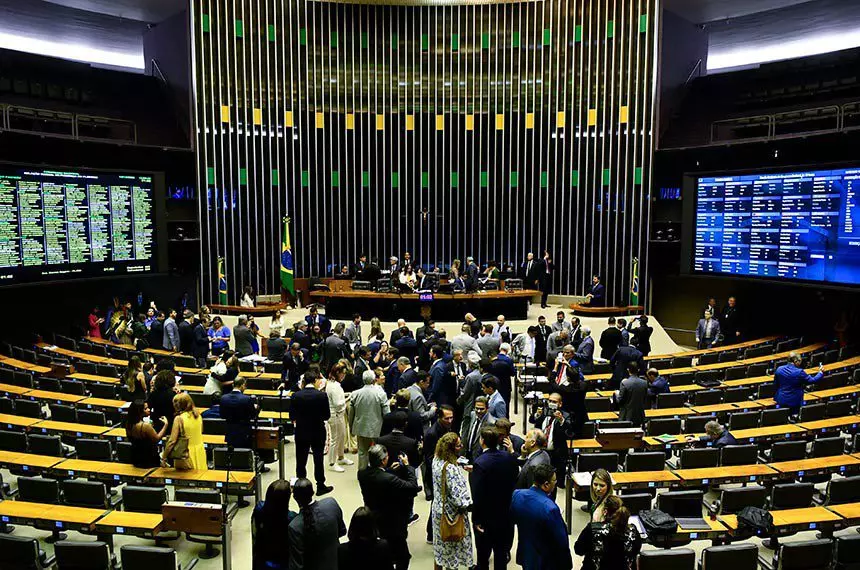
<point>337,421</point>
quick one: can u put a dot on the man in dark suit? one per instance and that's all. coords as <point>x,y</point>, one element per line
<point>398,331</point>
<point>632,397</point>
<point>443,388</point>
<point>431,438</point>
<point>503,369</point>
<point>640,336</point>
<point>186,332</point>
<point>406,344</point>
<point>407,373</point>
<point>543,542</point>
<point>479,419</point>
<point>730,322</point>
<point>471,274</point>
<point>610,339</point>
<point>543,332</point>
<point>309,412</point>
<point>334,348</point>
<point>510,442</point>
<point>455,372</point>
<point>414,423</point>
<point>240,412</point>
<point>243,337</point>
<point>314,318</point>
<point>389,489</point>
<point>545,278</point>
<point>301,335</point>
<point>529,272</point>
<point>556,425</point>
<point>360,266</point>
<point>295,365</point>
<point>314,545</point>
<point>493,480</point>
<point>155,335</point>
<point>422,282</point>
<point>397,442</point>
<point>597,296</point>
<point>620,361</point>
<point>532,454</point>
<point>474,324</point>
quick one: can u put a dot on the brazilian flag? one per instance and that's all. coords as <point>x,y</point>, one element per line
<point>287,277</point>
<point>222,282</point>
<point>634,285</point>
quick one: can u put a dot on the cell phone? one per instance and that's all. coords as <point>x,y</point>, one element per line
<point>462,461</point>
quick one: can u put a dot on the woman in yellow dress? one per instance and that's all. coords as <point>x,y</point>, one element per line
<point>187,423</point>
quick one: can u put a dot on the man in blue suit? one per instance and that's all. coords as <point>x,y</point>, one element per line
<point>494,477</point>
<point>443,388</point>
<point>314,318</point>
<point>543,543</point>
<point>790,379</point>
<point>239,411</point>
<point>496,406</point>
<point>597,296</point>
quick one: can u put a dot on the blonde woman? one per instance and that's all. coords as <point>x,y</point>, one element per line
<point>375,328</point>
<point>189,424</point>
<point>350,442</point>
<point>458,500</point>
<point>277,323</point>
<point>455,270</point>
<point>337,419</point>
<point>601,489</point>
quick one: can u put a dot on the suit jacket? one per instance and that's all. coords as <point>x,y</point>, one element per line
<point>389,494</point>
<point>641,338</point>
<point>352,333</point>
<point>493,480</point>
<point>731,323</point>
<point>790,380</point>
<point>472,442</point>
<point>171,334</point>
<point>309,411</point>
<point>540,342</point>
<point>398,442</point>
<point>526,477</point>
<point>443,387</point>
<point>240,412</point>
<point>333,349</point>
<point>395,336</point>
<point>471,390</point>
<point>324,323</point>
<point>543,542</point>
<point>186,336</point>
<point>610,340</point>
<point>530,274</point>
<point>632,398</point>
<point>414,423</point>
<point>431,438</point>
<point>302,338</point>
<point>619,361</point>
<point>554,345</point>
<point>317,551</point>
<point>496,407</point>
<point>423,283</point>
<point>276,348</point>
<point>598,298</point>
<point>585,355</point>
<point>545,272</point>
<point>244,338</point>
<point>294,369</point>
<point>503,369</point>
<point>476,327</point>
<point>488,344</point>
<point>358,370</point>
<point>407,378</point>
<point>418,404</point>
<point>466,343</point>
<point>367,406</point>
<point>559,434</point>
<point>715,331</point>
<point>200,348</point>
<point>155,336</point>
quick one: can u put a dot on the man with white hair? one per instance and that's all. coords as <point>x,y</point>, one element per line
<point>474,324</point>
<point>393,266</point>
<point>395,334</point>
<point>529,271</point>
<point>585,351</point>
<point>465,342</point>
<point>790,380</point>
<point>367,406</point>
<point>502,331</point>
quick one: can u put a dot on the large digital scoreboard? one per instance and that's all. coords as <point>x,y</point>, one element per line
<point>797,225</point>
<point>58,224</point>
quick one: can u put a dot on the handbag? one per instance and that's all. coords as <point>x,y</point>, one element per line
<point>179,454</point>
<point>451,529</point>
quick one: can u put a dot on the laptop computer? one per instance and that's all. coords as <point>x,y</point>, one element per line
<point>686,507</point>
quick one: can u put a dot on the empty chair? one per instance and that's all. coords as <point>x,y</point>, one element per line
<point>744,420</point>
<point>659,426</point>
<point>62,413</point>
<point>671,400</point>
<point>707,397</point>
<point>787,451</point>
<point>736,373</point>
<point>282,405</point>
<point>123,452</point>
<point>83,555</point>
<point>23,553</point>
<point>708,377</point>
<point>766,391</point>
<point>682,362</point>
<point>682,378</point>
<point>645,461</point>
<point>831,356</point>
<point>615,424</point>
<point>757,351</point>
<point>148,557</point>
<point>598,404</point>
<point>101,390</point>
<point>588,462</point>
<point>201,400</point>
<point>834,380</point>
<point>13,441</point>
<point>75,387</point>
<point>696,424</point>
<point>774,417</point>
<point>40,490</point>
<point>46,445</point>
<point>214,426</point>
<point>93,449</point>
<point>735,556</point>
<point>28,408</point>
<point>587,430</point>
<point>49,384</point>
<point>273,367</point>
<point>193,379</point>
<point>108,370</point>
<point>812,412</point>
<point>143,499</point>
<point>81,493</point>
<point>245,366</point>
<point>843,490</point>
<point>838,408</point>
<point>85,367</point>
<point>791,496</point>
<point>208,496</point>
<point>244,460</point>
<point>709,358</point>
<point>728,355</point>
<point>758,369</point>
<point>259,384</point>
<point>698,458</point>
<point>804,555</point>
<point>119,352</point>
<point>637,502</point>
<point>660,363</point>
<point>674,559</point>
<point>99,350</point>
<point>847,553</point>
<point>733,500</point>
<point>23,379</point>
<point>676,503</point>
<point>847,352</point>
<point>827,447</point>
<point>183,360</point>
<point>7,406</point>
<point>738,455</point>
<point>92,418</point>
<point>738,394</point>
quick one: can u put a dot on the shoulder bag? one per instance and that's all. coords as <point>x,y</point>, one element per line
<point>179,453</point>
<point>451,529</point>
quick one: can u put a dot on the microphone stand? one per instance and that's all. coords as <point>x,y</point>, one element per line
<point>282,463</point>
<point>226,534</point>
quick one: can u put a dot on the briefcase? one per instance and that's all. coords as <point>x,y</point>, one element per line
<point>267,438</point>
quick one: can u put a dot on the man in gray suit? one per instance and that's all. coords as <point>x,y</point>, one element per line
<point>170,338</point>
<point>352,334</point>
<point>334,348</point>
<point>314,547</point>
<point>242,336</point>
<point>479,419</point>
<point>555,343</point>
<point>560,324</point>
<point>632,397</point>
<point>367,406</point>
<point>533,453</point>
<point>418,399</point>
<point>465,342</point>
<point>470,390</point>
<point>488,344</point>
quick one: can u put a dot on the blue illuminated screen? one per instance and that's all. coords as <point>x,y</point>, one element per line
<point>797,225</point>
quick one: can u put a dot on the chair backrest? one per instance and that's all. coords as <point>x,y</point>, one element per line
<point>704,376</point>
<point>6,375</point>
<point>214,426</point>
<point>843,490</point>
<point>46,445</point>
<point>275,404</point>
<point>732,500</point>
<point>93,449</point>
<point>834,380</point>
<point>99,350</point>
<point>107,370</point>
<point>831,356</point>
<point>28,408</point>
<point>758,369</point>
<point>81,493</point>
<point>7,405</point>
<point>184,360</point>
<point>813,412</point>
<point>273,367</point>
<point>766,391</point>
<point>791,496</point>
<point>709,358</point>
<point>193,380</point>
<point>616,424</point>
<point>645,461</point>
<point>101,390</point>
<point>788,451</point>
<point>775,417</point>
<point>682,377</point>
<point>39,490</point>
<point>827,447</point>
<point>23,379</point>
<point>674,559</point>
<point>736,372</point>
<point>85,367</point>
<point>756,351</point>
<point>697,458</point>
<point>148,557</point>
<point>123,452</point>
<point>707,397</point>
<point>593,405</point>
<point>671,400</point>
<point>63,413</point>
<point>682,362</point>
<point>245,366</point>
<point>587,430</point>
<point>729,355</point>
<point>637,502</point>
<point>243,459</point>
<point>13,441</point>
<point>659,426</point>
<point>201,400</point>
<point>75,387</point>
<point>143,499</point>
<point>734,556</point>
<point>696,424</point>
<point>744,420</point>
<point>805,555</point>
<point>847,556</point>
<point>20,552</point>
<point>681,503</point>
<point>838,408</point>
<point>208,496</point>
<point>660,363</point>
<point>82,555</point>
<point>738,394</point>
<point>49,384</point>
<point>738,455</point>
<point>92,418</point>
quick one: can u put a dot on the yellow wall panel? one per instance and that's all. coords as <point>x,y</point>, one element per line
<point>410,122</point>
<point>258,116</point>
<point>530,120</point>
<point>350,121</point>
<point>380,122</point>
<point>470,122</point>
<point>624,114</point>
<point>500,122</point>
<point>319,120</point>
<point>288,119</point>
<point>225,114</point>
<point>592,117</point>
<point>440,122</point>
<point>560,119</point>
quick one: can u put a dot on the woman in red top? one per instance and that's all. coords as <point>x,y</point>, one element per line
<point>94,322</point>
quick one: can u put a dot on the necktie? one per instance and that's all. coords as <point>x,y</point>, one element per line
<point>549,431</point>
<point>529,268</point>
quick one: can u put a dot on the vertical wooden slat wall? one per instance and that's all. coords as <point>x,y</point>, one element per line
<point>487,130</point>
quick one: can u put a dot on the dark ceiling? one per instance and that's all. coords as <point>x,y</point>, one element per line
<point>704,11</point>
<point>150,11</point>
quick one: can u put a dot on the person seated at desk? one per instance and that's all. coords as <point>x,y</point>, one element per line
<point>596,298</point>
<point>715,436</point>
<point>422,282</point>
<point>270,525</point>
<point>344,273</point>
<point>790,380</point>
<point>142,436</point>
<point>213,412</point>
<point>491,273</point>
<point>656,384</point>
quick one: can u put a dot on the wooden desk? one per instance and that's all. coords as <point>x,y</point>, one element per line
<point>94,378</point>
<point>630,480</point>
<point>717,530</point>
<point>793,520</point>
<point>668,413</point>
<point>602,416</point>
<point>106,470</point>
<point>724,348</point>
<point>118,433</point>
<point>843,464</point>
<point>723,475</point>
<point>10,420</point>
<point>58,516</point>
<point>68,428</point>
<point>28,366</point>
<point>783,431</point>
<point>583,444</point>
<point>187,370</point>
<point>11,389</point>
<point>834,393</point>
<point>850,512</point>
<point>102,403</point>
<point>135,524</point>
<point>261,311</point>
<point>831,424</point>
<point>28,461</point>
<point>189,388</point>
<point>686,388</point>
<point>208,478</point>
<point>652,442</point>
<point>54,397</point>
<point>715,409</point>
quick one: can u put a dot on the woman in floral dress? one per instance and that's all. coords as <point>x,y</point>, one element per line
<point>458,499</point>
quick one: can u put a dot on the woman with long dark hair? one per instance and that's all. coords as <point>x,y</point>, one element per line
<point>142,436</point>
<point>611,544</point>
<point>364,549</point>
<point>134,380</point>
<point>270,528</point>
<point>315,533</point>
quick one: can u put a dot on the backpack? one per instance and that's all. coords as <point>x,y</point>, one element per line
<point>658,523</point>
<point>756,519</point>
